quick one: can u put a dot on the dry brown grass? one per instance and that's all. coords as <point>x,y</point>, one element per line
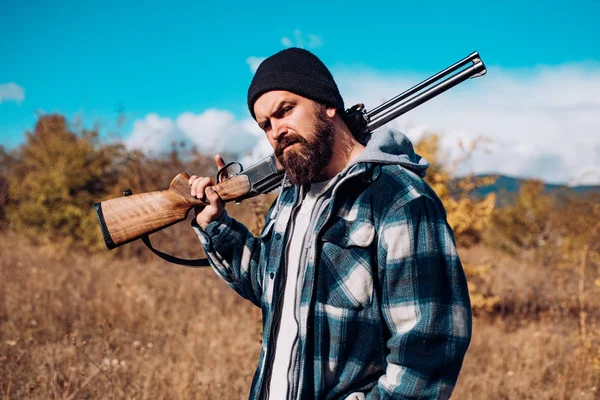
<point>528,341</point>
<point>536,360</point>
<point>144,331</point>
<point>95,326</point>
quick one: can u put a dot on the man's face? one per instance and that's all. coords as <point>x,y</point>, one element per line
<point>300,131</point>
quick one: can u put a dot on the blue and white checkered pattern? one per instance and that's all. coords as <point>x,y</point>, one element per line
<point>384,310</point>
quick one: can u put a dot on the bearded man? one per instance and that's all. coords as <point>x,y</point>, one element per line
<point>362,292</point>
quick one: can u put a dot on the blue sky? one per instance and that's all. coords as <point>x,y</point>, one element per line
<point>167,59</point>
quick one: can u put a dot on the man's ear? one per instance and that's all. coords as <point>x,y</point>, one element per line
<point>331,112</point>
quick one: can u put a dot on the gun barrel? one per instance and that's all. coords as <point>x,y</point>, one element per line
<point>383,114</point>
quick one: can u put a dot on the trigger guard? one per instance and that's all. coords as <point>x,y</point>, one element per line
<point>224,169</point>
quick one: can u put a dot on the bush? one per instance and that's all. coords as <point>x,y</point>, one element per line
<point>469,218</point>
<point>52,181</point>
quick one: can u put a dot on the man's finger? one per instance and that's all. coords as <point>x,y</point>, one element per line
<point>220,164</point>
<point>212,196</point>
<point>220,161</point>
<point>200,185</point>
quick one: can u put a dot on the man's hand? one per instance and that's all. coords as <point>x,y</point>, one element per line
<point>201,188</point>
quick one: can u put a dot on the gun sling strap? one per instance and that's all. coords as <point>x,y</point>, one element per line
<point>201,262</point>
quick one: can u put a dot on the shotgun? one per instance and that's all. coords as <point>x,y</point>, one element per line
<point>127,218</point>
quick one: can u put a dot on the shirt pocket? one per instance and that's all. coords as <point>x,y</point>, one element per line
<point>345,271</point>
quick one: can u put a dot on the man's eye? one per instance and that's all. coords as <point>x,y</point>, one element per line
<point>286,109</point>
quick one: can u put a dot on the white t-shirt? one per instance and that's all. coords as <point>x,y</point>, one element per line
<point>286,344</point>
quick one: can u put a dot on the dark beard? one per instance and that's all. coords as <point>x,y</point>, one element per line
<point>305,162</point>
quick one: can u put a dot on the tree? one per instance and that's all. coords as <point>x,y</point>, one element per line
<point>55,179</point>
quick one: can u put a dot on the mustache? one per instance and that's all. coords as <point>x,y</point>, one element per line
<point>287,141</point>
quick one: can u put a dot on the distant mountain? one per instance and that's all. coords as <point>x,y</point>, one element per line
<point>506,187</point>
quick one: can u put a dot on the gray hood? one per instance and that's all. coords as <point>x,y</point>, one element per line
<point>393,147</point>
<point>384,147</point>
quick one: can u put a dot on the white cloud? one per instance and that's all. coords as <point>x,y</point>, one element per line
<point>298,39</point>
<point>313,41</point>
<point>11,92</point>
<point>212,131</point>
<point>217,131</point>
<point>153,134</point>
<point>543,123</point>
<point>304,41</point>
<point>254,62</point>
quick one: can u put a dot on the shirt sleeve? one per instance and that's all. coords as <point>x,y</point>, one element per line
<point>425,303</point>
<point>234,253</point>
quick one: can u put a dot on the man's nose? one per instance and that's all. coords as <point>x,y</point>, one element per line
<point>278,130</point>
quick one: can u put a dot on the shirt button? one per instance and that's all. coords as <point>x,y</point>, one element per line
<point>278,236</point>
<point>272,275</point>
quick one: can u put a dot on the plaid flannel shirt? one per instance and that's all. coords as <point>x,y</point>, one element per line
<point>383,311</point>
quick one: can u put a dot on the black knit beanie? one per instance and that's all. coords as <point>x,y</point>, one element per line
<point>298,71</point>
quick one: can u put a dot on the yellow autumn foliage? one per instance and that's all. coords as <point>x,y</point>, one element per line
<point>55,178</point>
<point>468,217</point>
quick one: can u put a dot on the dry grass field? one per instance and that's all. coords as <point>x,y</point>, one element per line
<point>80,326</point>
<point>95,327</point>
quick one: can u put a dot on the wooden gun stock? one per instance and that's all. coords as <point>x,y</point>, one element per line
<point>127,218</point>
